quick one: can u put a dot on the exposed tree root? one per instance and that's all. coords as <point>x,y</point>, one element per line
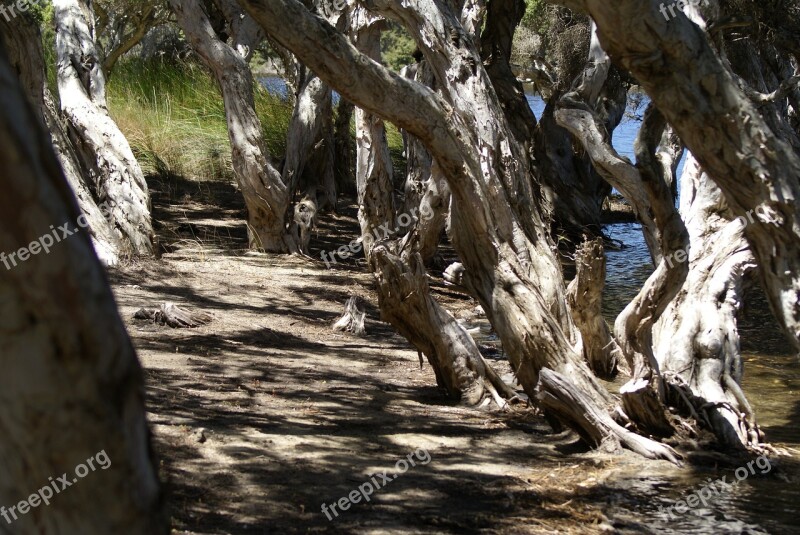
<point>557,395</point>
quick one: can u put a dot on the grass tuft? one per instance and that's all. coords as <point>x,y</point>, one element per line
<point>174,118</point>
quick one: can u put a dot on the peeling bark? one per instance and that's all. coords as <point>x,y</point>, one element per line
<point>24,44</point>
<point>697,341</point>
<point>265,194</point>
<point>756,170</point>
<point>114,174</point>
<point>497,226</point>
<point>585,297</point>
<point>404,296</point>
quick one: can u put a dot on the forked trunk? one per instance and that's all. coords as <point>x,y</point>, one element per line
<point>496,224</point>
<point>696,340</point>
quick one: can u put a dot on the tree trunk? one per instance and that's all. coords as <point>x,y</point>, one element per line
<point>265,194</point>
<point>696,341</point>
<point>23,41</point>
<point>114,174</point>
<point>756,171</point>
<point>424,184</point>
<point>312,109</point>
<point>497,227</point>
<point>585,297</point>
<point>71,386</point>
<point>403,292</point>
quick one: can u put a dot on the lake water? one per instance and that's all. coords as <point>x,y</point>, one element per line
<point>772,383</point>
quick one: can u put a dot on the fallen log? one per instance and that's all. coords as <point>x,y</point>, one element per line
<point>174,316</point>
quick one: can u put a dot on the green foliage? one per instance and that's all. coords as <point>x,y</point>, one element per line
<point>397,47</point>
<point>535,17</point>
<point>49,46</point>
<point>174,117</point>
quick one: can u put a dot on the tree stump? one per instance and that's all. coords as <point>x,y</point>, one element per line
<point>352,320</point>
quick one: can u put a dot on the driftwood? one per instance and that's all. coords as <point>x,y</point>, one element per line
<point>174,316</point>
<point>352,320</point>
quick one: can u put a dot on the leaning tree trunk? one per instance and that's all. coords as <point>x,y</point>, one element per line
<point>697,341</point>
<point>647,188</point>
<point>23,42</point>
<point>405,298</point>
<point>115,175</point>
<point>756,171</point>
<point>71,387</point>
<point>266,196</point>
<point>497,227</point>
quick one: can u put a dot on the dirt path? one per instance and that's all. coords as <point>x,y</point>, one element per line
<point>265,414</point>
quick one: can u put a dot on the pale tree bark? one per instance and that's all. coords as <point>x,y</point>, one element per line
<point>496,226</point>
<point>403,292</point>
<point>114,174</point>
<point>617,170</point>
<point>310,131</point>
<point>643,396</point>
<point>585,298</point>
<point>571,199</point>
<point>754,168</point>
<point>696,360</point>
<point>266,196</point>
<point>23,42</point>
<point>696,340</point>
<point>646,188</point>
<point>424,184</point>
<point>578,188</point>
<point>71,386</point>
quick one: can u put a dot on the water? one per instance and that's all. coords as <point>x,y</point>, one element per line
<point>277,86</point>
<point>758,504</point>
<point>771,382</point>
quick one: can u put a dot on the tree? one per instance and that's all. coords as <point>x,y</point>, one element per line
<point>71,385</point>
<point>112,172</point>
<point>23,41</point>
<point>496,225</point>
<point>756,170</point>
<point>121,25</point>
<point>266,195</point>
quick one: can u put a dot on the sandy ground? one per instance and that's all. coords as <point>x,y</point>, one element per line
<point>266,414</point>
